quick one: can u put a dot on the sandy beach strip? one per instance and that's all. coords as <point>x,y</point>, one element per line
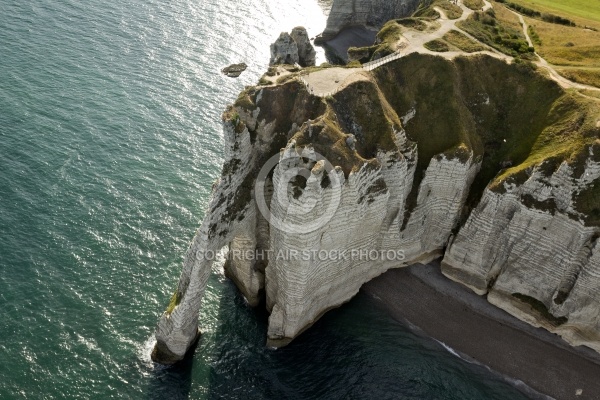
<point>466,322</point>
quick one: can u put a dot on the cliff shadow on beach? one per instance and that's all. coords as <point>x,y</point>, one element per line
<point>355,351</point>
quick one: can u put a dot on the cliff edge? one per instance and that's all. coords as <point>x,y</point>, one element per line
<point>421,158</point>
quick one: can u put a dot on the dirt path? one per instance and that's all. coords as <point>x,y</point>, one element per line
<point>329,81</point>
<point>554,75</point>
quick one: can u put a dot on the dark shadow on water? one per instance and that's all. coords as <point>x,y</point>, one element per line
<point>354,352</point>
<point>245,368</point>
<point>172,382</point>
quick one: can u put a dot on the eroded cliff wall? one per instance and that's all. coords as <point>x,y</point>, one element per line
<point>422,158</point>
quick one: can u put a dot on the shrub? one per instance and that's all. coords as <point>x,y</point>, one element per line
<point>437,45</point>
<point>414,23</point>
<point>461,41</point>
<point>534,36</point>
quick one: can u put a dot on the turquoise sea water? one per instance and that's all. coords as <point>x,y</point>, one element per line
<point>110,140</point>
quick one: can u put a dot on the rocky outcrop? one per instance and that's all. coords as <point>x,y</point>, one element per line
<point>306,52</point>
<point>294,48</point>
<point>365,13</point>
<point>318,196</point>
<point>234,70</point>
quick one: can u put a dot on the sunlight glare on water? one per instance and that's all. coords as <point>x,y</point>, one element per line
<point>110,141</point>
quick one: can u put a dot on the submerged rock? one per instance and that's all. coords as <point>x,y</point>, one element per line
<point>234,70</point>
<point>294,48</point>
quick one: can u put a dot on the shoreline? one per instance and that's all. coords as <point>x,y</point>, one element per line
<point>468,325</point>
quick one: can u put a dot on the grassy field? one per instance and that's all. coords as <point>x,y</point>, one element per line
<point>566,45</point>
<point>586,9</point>
<point>587,76</point>
<point>575,50</point>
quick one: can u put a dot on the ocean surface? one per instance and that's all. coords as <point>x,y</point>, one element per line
<point>110,140</point>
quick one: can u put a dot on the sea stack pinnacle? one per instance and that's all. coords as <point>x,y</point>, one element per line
<point>294,48</point>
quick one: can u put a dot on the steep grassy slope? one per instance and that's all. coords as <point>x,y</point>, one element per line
<point>509,115</point>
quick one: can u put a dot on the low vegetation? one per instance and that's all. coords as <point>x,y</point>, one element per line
<point>386,43</point>
<point>390,32</point>
<point>426,9</point>
<point>174,302</point>
<point>462,42</point>
<point>452,10</point>
<point>413,23</point>
<point>437,45</point>
<point>488,29</point>
<point>474,4</point>
<point>535,38</point>
<point>362,54</point>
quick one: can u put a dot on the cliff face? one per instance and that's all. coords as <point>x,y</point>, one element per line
<point>366,13</point>
<point>528,248</point>
<point>404,165</point>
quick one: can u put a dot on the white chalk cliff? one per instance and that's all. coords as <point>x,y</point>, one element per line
<point>293,48</point>
<point>529,249</point>
<point>392,191</point>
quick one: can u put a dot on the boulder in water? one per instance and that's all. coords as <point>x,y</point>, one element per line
<point>234,70</point>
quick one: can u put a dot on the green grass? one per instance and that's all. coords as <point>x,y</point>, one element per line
<point>462,42</point>
<point>437,45</point>
<point>587,9</point>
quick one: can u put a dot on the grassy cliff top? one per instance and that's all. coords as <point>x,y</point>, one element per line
<point>509,115</point>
